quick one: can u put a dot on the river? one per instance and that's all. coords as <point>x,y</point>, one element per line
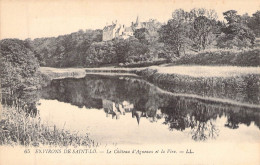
<point>129,110</point>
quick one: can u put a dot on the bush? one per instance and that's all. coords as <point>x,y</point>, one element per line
<point>19,67</point>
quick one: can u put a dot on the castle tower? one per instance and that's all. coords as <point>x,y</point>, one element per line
<point>138,115</point>
<point>137,24</point>
<point>137,20</point>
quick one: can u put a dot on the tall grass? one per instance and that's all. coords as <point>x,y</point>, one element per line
<point>19,128</point>
<point>242,88</point>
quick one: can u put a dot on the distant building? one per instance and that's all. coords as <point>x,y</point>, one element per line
<point>128,32</point>
<point>116,30</point>
<point>128,107</point>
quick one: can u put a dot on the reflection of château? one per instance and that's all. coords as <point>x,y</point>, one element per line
<point>134,95</point>
<point>116,109</point>
<point>153,117</point>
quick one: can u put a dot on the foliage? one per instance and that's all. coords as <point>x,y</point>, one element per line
<point>121,48</point>
<point>142,35</point>
<point>254,23</point>
<point>173,35</point>
<point>19,67</point>
<point>131,50</point>
<point>67,50</point>
<point>136,51</point>
<point>203,32</point>
<point>149,34</point>
<point>236,34</point>
<point>187,31</point>
<point>240,87</point>
<point>193,30</point>
<point>100,53</point>
<point>231,16</point>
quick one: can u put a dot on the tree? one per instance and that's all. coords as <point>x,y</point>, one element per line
<point>202,31</point>
<point>19,67</point>
<point>175,34</point>
<point>137,51</point>
<point>254,23</point>
<point>231,16</point>
<point>245,18</point>
<point>199,12</point>
<point>236,34</point>
<point>65,50</point>
<point>194,30</point>
<point>100,53</point>
<point>142,35</point>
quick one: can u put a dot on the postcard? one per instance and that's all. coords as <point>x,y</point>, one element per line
<point>130,82</point>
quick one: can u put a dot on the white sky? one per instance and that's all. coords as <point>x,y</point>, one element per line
<point>47,18</point>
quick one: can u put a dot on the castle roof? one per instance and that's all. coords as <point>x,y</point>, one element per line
<point>117,31</point>
<point>129,29</point>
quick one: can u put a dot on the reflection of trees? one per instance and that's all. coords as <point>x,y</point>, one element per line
<point>243,116</point>
<point>196,116</point>
<point>202,131</point>
<point>178,113</point>
<point>22,101</point>
<point>176,117</point>
<point>232,121</point>
<point>245,88</point>
<point>203,122</point>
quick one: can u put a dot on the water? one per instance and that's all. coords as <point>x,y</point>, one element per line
<point>129,110</point>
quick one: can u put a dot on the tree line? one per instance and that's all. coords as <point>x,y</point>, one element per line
<point>186,31</point>
<point>199,29</point>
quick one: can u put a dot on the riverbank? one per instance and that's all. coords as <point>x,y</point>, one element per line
<point>60,73</point>
<point>19,128</point>
<point>226,82</point>
<point>184,70</point>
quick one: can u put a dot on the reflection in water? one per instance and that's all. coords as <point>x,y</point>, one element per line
<point>25,101</point>
<point>119,96</point>
<point>243,89</point>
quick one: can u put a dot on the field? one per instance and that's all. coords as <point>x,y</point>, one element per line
<point>207,71</point>
<point>229,57</point>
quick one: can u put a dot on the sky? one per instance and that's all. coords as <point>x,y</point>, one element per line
<point>50,18</point>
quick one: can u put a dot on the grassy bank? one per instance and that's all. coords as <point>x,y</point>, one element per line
<point>59,73</point>
<point>249,57</point>
<point>144,64</point>
<point>206,71</point>
<point>235,86</point>
<point>227,82</point>
<point>19,128</point>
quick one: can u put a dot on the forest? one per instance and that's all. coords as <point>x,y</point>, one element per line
<point>189,37</point>
<point>185,37</point>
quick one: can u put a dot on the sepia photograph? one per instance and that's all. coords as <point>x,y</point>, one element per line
<point>130,82</point>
